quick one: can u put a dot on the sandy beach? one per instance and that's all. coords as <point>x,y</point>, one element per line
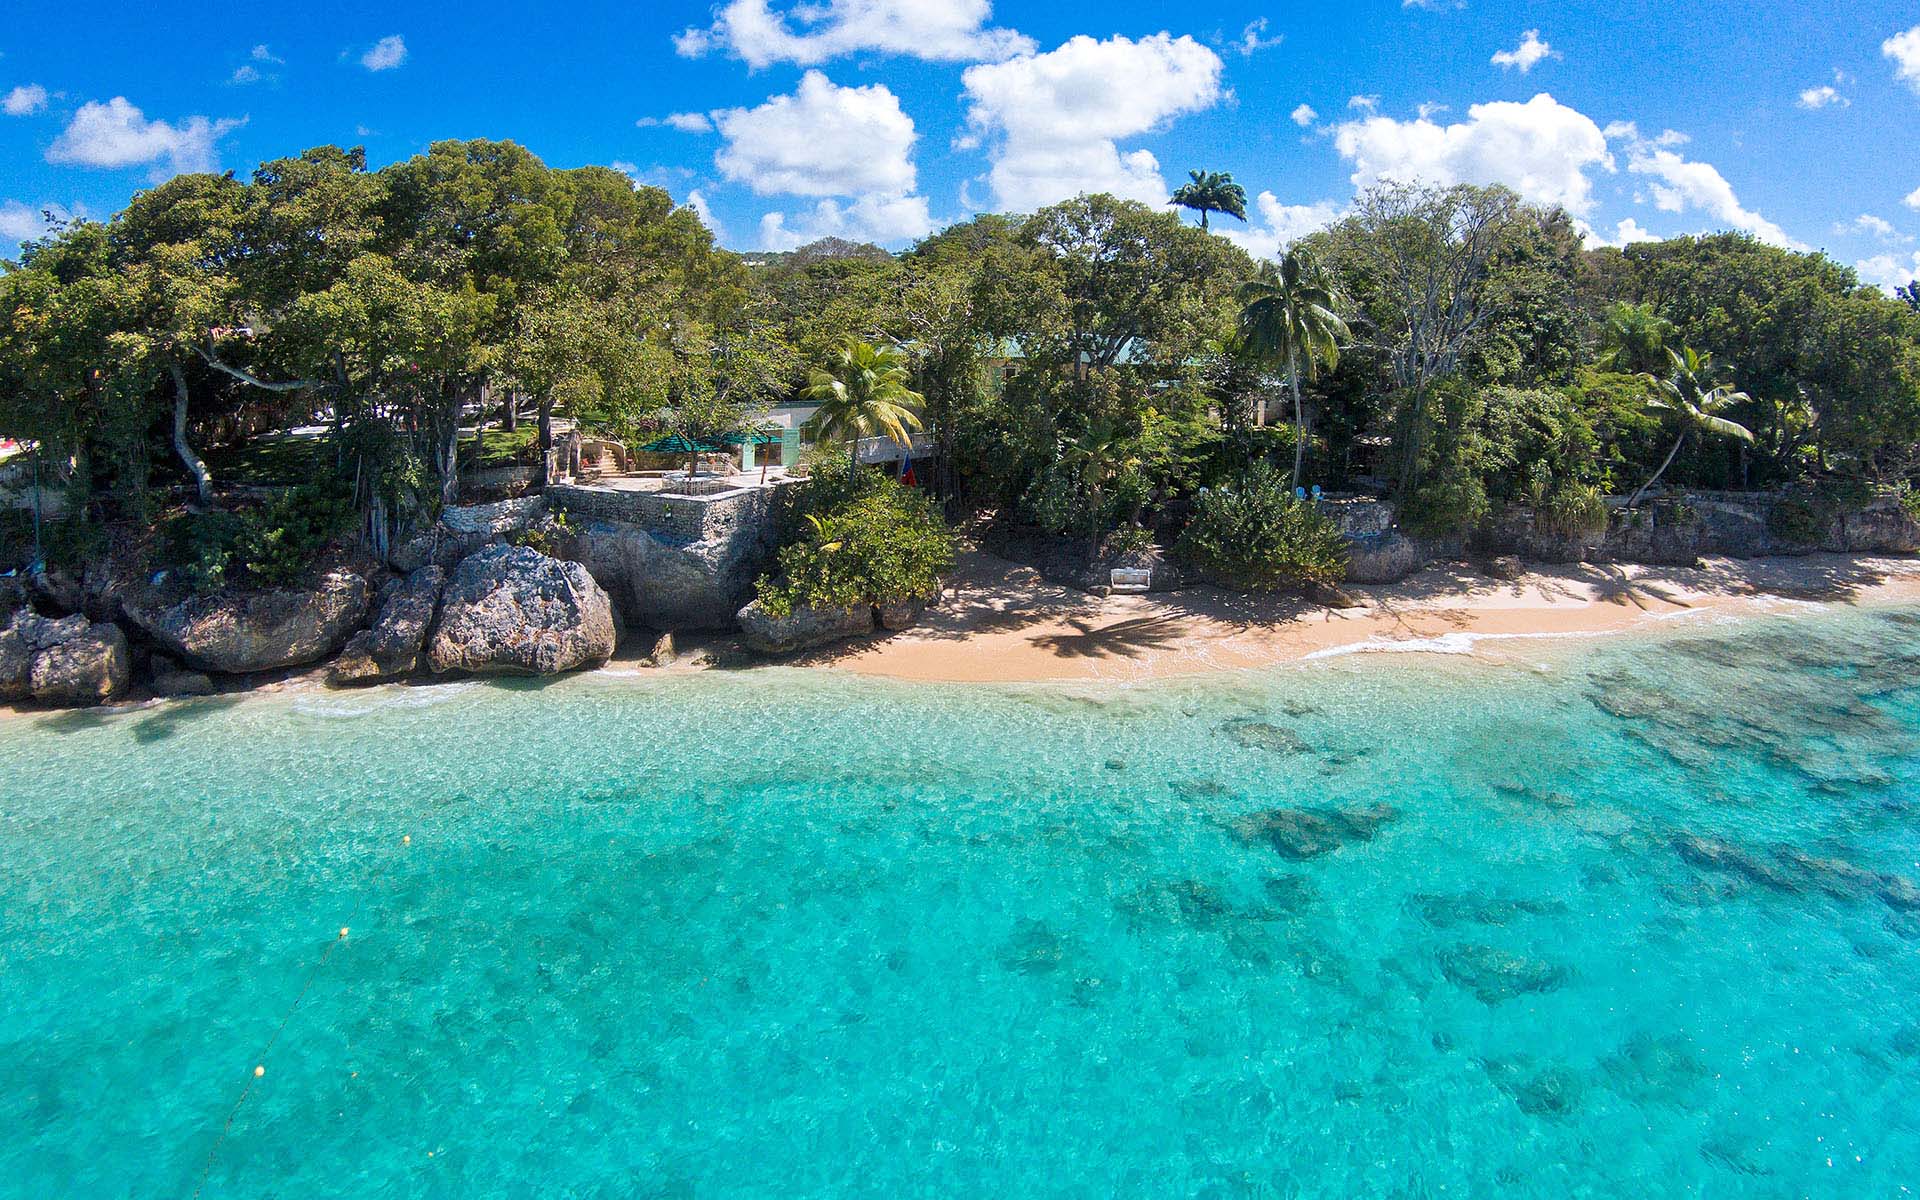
<point>1003,623</point>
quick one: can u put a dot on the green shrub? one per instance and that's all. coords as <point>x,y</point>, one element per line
<point>1129,539</point>
<point>201,547</point>
<point>1573,509</point>
<point>1910,500</point>
<point>273,545</point>
<point>1446,504</point>
<point>284,536</point>
<point>1255,535</point>
<point>547,538</point>
<point>886,545</point>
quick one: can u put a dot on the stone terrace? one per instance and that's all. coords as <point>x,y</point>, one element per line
<point>711,508</point>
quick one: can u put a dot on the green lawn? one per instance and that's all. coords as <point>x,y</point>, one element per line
<point>283,458</point>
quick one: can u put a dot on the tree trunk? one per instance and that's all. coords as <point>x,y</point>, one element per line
<point>510,411</point>
<point>1299,420</point>
<point>202,478</point>
<point>546,440</point>
<point>1677,443</point>
<point>1203,220</point>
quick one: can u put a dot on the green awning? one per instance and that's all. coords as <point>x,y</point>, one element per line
<point>674,443</point>
<point>766,435</point>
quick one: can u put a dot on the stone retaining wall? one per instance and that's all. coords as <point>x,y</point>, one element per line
<point>682,518</point>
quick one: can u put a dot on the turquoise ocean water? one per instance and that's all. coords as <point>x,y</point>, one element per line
<point>1629,917</point>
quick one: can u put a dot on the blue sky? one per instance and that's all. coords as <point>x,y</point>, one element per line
<point>883,119</point>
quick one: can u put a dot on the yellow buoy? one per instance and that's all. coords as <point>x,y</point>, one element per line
<point>259,1071</point>
<point>343,931</point>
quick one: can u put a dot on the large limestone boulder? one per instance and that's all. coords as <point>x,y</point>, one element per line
<point>91,668</point>
<point>513,610</point>
<point>24,638</point>
<point>238,632</point>
<point>390,647</point>
<point>1385,557</point>
<point>69,661</point>
<point>805,627</point>
<point>463,529</point>
<point>665,583</point>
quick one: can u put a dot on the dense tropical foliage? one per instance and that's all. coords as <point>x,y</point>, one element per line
<point>1089,369</point>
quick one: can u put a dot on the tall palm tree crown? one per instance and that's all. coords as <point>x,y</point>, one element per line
<point>1212,191</point>
<point>1689,401</point>
<point>1289,318</point>
<point>862,392</point>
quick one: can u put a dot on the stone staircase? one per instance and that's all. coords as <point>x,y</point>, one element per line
<point>597,460</point>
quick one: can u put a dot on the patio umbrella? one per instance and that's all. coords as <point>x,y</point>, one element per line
<point>675,443</point>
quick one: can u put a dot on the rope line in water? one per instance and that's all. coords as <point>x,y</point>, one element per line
<point>260,1061</point>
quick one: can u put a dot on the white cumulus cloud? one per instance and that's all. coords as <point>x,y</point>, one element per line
<point>823,140</point>
<point>19,222</point>
<point>887,220</point>
<point>1527,55</point>
<point>1254,39</point>
<point>385,54</point>
<point>24,101</point>
<point>1629,231</point>
<point>1680,185</point>
<point>685,122</point>
<point>1904,50</point>
<point>1280,225</point>
<point>1824,96</point>
<point>1889,271</point>
<point>1304,115</point>
<point>117,134</point>
<point>808,34</point>
<point>1913,199</point>
<point>1870,224</point>
<point>1053,121</point>
<point>1541,149</point>
<point>697,201</point>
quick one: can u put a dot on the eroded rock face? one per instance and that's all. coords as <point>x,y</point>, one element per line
<point>91,668</point>
<point>463,529</point>
<point>66,662</point>
<point>672,585</point>
<point>239,632</point>
<point>803,628</point>
<point>513,610</point>
<point>1506,567</point>
<point>390,647</point>
<point>902,614</point>
<point>1385,557</point>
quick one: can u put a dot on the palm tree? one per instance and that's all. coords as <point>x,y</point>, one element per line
<point>1634,337</point>
<point>862,392</point>
<point>1095,457</point>
<point>1686,399</point>
<point>1287,318</point>
<point>1212,191</point>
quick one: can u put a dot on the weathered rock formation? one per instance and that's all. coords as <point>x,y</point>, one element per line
<point>463,529</point>
<point>513,610</point>
<point>67,662</point>
<point>238,632</point>
<point>390,647</point>
<point>805,627</point>
<point>664,583</point>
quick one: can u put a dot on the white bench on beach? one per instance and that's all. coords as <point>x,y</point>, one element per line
<point>1131,579</point>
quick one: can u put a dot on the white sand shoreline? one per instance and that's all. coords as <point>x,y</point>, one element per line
<point>1002,623</point>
